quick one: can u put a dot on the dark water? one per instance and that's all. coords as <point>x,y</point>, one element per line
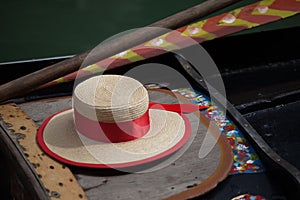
<point>35,29</point>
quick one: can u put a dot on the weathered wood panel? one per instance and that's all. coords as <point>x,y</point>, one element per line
<point>19,181</point>
<point>51,178</point>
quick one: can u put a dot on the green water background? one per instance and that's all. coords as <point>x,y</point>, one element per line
<point>37,29</point>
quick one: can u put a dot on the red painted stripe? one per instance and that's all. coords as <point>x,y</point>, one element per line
<point>289,5</point>
<point>211,26</point>
<point>148,52</point>
<point>118,62</point>
<point>111,63</point>
<point>179,40</point>
<point>105,62</point>
<point>71,76</point>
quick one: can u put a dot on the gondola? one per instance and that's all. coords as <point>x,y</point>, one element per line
<point>261,74</point>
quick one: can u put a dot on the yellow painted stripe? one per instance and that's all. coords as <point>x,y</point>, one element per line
<point>93,68</point>
<point>266,2</point>
<point>279,13</point>
<point>61,80</point>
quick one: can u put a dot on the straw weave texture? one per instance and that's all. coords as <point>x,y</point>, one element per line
<point>111,98</point>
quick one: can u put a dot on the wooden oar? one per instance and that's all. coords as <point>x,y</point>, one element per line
<point>31,81</point>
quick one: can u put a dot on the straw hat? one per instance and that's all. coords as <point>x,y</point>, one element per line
<point>111,125</point>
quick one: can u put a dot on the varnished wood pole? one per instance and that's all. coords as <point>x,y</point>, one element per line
<point>28,83</point>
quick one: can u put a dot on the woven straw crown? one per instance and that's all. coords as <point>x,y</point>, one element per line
<point>111,98</point>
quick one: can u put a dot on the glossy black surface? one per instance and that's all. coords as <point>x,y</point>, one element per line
<point>279,126</point>
<point>261,75</point>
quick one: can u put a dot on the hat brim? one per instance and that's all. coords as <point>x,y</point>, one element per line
<point>57,136</point>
